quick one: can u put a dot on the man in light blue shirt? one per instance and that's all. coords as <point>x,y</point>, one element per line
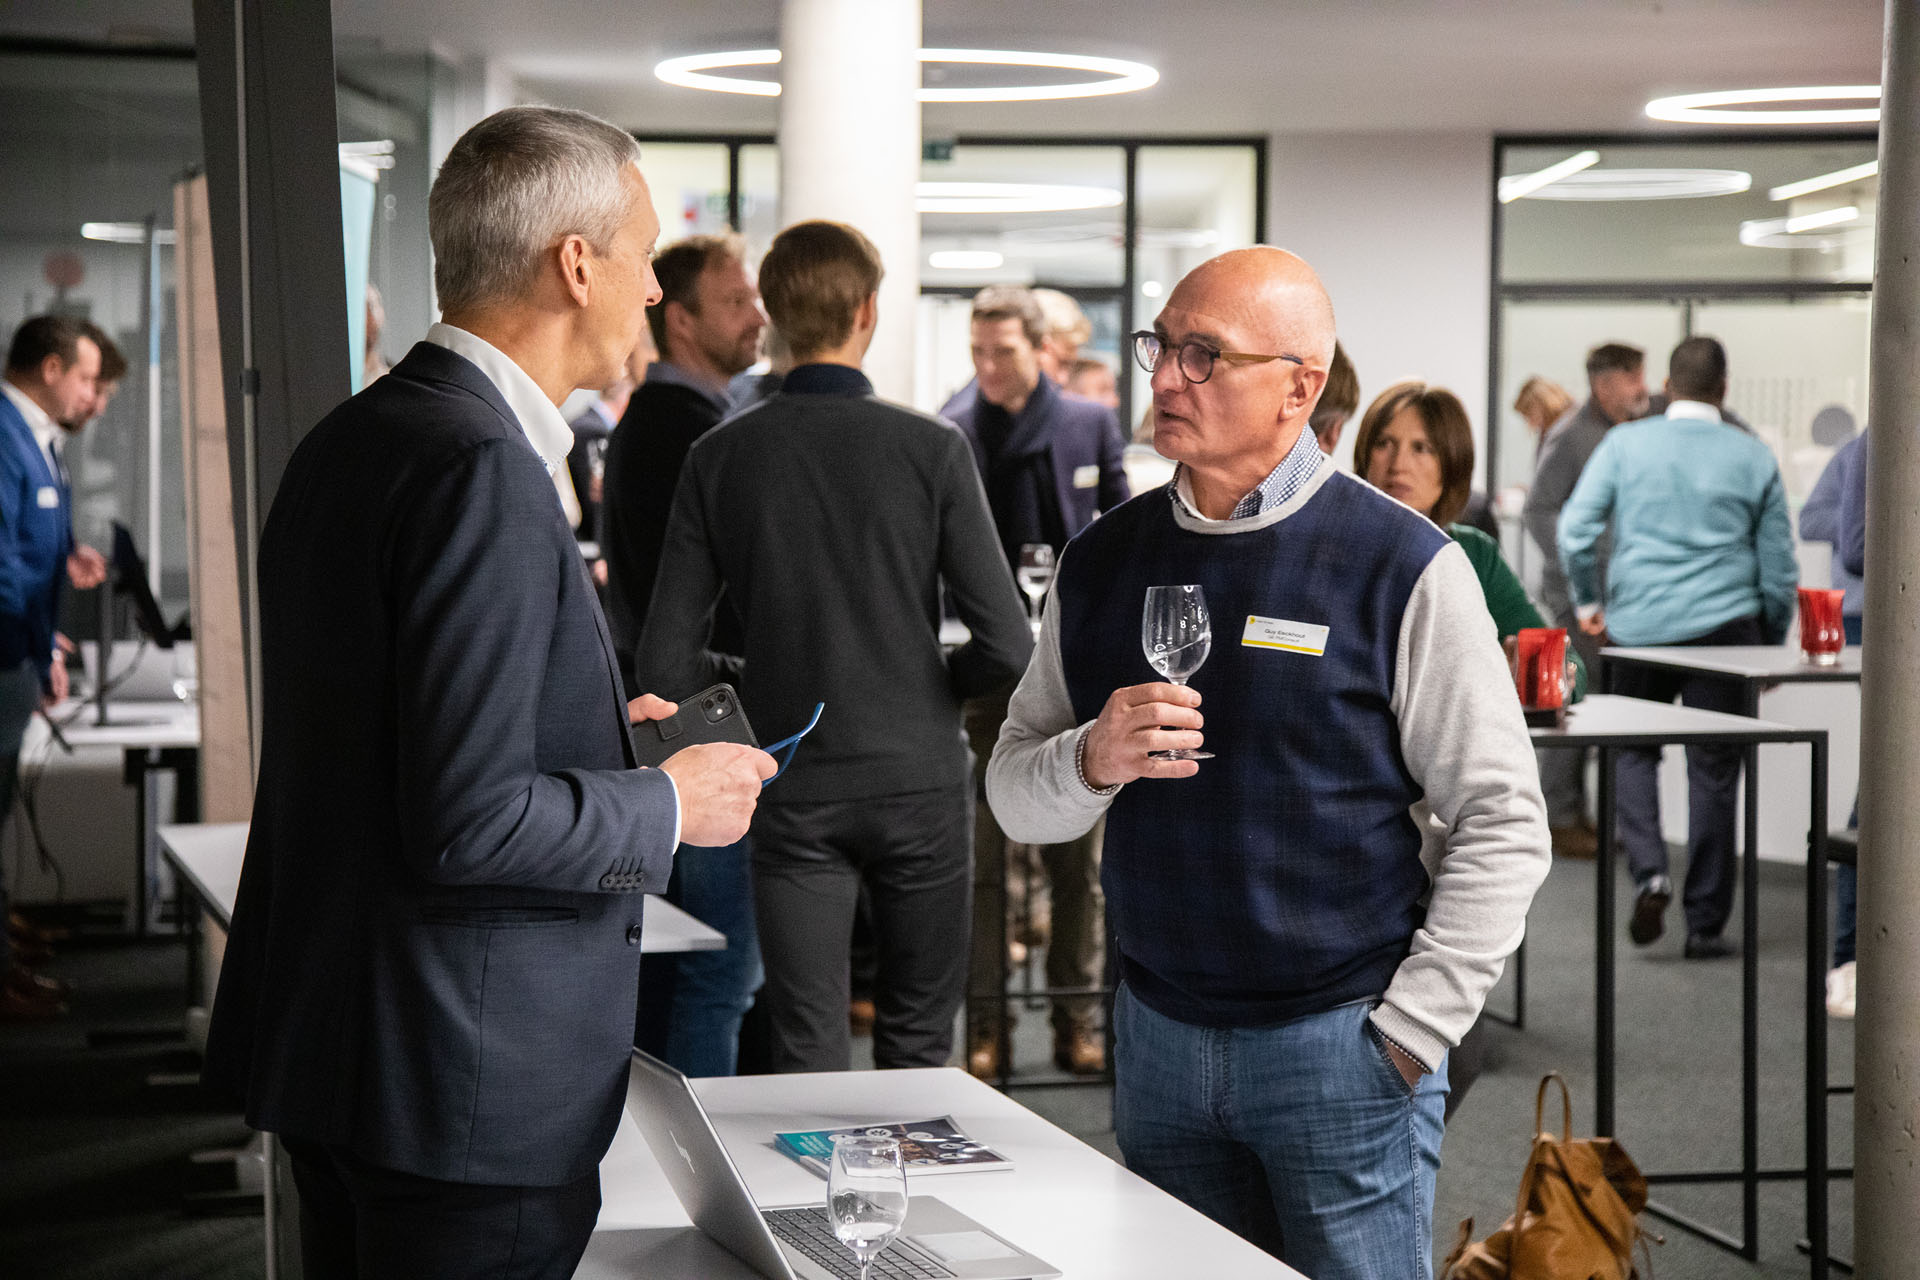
<point>1702,555</point>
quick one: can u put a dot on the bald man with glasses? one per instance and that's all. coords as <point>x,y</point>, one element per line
<point>1308,921</point>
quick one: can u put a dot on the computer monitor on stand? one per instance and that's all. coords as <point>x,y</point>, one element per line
<point>127,575</point>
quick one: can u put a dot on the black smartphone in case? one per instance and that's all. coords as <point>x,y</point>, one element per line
<point>712,715</point>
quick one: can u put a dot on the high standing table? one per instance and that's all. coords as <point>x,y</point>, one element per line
<point>153,737</point>
<point>208,857</point>
<point>1610,722</point>
<point>1062,1200</point>
<point>1753,666</point>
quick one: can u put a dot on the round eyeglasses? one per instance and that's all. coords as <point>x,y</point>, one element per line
<point>1195,358</point>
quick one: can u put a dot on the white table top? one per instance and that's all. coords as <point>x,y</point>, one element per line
<point>210,854</point>
<point>1610,715</point>
<point>1062,1200</point>
<point>132,724</point>
<point>1768,662</point>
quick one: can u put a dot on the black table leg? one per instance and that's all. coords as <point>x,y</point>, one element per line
<point>1816,1069</point>
<point>1603,955</point>
<point>1750,1015</point>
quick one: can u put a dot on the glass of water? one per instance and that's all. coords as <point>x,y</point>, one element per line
<point>1177,635</point>
<point>866,1194</point>
<point>1034,574</point>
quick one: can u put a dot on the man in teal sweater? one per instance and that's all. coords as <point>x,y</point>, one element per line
<point>1702,555</point>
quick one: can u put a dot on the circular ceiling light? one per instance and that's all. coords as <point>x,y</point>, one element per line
<point>1115,75</point>
<point>1713,108</point>
<point>965,260</point>
<point>1646,184</point>
<point>1010,197</point>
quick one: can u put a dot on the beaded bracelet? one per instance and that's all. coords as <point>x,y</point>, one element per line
<point>1080,765</point>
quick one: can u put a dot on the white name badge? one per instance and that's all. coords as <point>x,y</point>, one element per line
<point>1294,637</point>
<point>1086,477</point>
<point>49,497</point>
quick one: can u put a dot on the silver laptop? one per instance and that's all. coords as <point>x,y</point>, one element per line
<point>798,1243</point>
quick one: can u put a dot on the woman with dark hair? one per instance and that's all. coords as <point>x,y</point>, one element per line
<point>1416,444</point>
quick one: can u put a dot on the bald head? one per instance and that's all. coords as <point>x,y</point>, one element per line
<point>1268,291</point>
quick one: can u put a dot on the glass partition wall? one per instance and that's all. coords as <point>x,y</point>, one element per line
<point>1765,244</point>
<point>1054,213</point>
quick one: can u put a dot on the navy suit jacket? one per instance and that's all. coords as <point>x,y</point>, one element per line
<point>1084,447</point>
<point>36,535</point>
<point>435,952</point>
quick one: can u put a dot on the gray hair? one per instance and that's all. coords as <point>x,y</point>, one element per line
<point>513,186</point>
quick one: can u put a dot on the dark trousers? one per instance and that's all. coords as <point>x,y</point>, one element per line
<point>809,863</point>
<point>1713,778</point>
<point>362,1222</point>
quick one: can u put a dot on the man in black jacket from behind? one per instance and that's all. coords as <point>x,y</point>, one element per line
<point>706,328</point>
<point>831,518</point>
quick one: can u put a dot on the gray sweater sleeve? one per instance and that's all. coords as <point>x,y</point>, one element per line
<point>1033,781</point>
<point>1466,744</point>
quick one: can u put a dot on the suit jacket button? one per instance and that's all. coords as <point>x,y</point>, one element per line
<point>607,881</point>
<point>633,935</point>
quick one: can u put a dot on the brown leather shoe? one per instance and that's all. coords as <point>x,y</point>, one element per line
<point>1578,841</point>
<point>20,978</point>
<point>25,1006</point>
<point>1079,1051</point>
<point>983,1058</point>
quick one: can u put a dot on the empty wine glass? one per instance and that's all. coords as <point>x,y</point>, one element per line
<point>1177,635</point>
<point>1034,574</point>
<point>866,1194</point>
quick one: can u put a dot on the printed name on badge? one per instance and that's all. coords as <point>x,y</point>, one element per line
<point>1086,477</point>
<point>1276,633</point>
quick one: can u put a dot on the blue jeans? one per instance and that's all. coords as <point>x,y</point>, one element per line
<point>691,1002</point>
<point>1303,1137</point>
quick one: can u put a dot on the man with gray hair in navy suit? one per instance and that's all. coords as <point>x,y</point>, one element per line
<point>429,987</point>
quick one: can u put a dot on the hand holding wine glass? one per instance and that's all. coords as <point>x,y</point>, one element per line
<point>866,1194</point>
<point>1177,634</point>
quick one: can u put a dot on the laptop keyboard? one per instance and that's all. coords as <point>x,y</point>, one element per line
<point>809,1231</point>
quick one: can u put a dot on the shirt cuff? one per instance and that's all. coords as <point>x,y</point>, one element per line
<point>675,788</point>
<point>1586,612</point>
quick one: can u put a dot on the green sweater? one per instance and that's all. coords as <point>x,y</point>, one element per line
<point>1506,599</point>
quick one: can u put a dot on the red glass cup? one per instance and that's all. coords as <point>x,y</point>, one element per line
<point>1540,672</point>
<point>1822,635</point>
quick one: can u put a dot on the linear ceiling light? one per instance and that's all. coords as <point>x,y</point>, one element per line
<point>1710,108</point>
<point>1839,177</point>
<point>965,260</point>
<point>124,233</point>
<point>1771,233</point>
<point>1646,184</point>
<point>1010,197</point>
<point>1824,218</point>
<point>1517,185</point>
<point>1117,75</point>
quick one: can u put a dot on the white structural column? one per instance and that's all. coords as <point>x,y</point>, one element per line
<point>1887,1033</point>
<point>850,147</point>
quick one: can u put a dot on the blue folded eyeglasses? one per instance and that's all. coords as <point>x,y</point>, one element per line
<point>791,744</point>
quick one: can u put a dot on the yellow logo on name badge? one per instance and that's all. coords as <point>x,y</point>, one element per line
<point>1292,637</point>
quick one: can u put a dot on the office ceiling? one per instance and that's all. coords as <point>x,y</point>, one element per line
<point>1227,65</point>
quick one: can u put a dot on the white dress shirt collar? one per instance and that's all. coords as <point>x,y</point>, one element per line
<point>539,417</point>
<point>1694,409</point>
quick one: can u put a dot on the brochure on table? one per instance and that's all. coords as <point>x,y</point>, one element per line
<point>926,1147</point>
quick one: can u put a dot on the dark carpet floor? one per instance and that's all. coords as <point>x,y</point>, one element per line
<point>97,1180</point>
